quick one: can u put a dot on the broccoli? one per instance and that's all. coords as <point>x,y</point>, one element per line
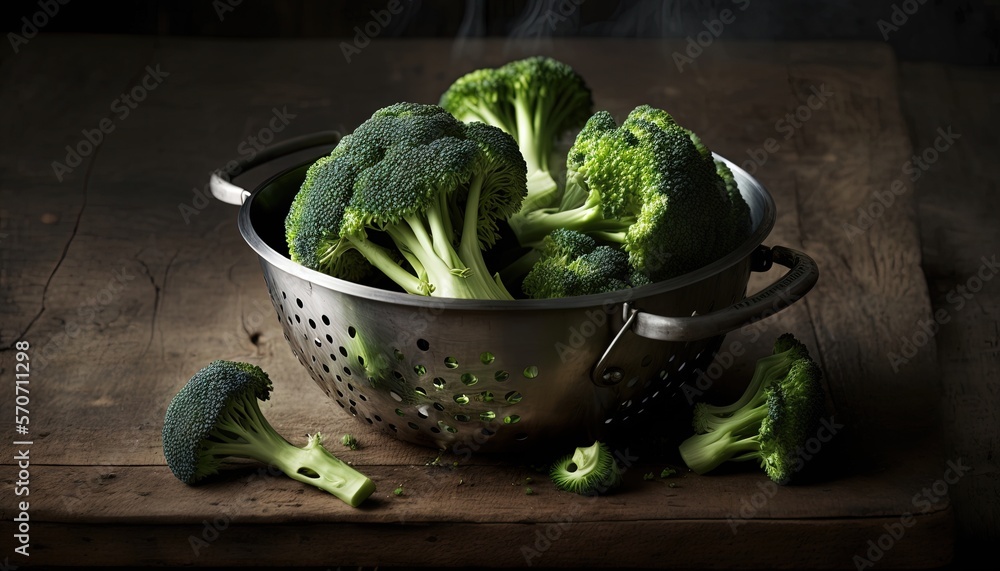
<point>418,194</point>
<point>535,100</point>
<point>780,412</point>
<point>573,264</point>
<point>588,471</point>
<point>350,442</point>
<point>215,416</point>
<point>650,186</point>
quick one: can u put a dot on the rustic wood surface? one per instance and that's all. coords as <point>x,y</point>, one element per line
<point>958,202</point>
<point>123,298</point>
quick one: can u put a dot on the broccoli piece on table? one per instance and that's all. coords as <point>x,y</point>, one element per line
<point>778,413</point>
<point>216,415</point>
<point>588,470</point>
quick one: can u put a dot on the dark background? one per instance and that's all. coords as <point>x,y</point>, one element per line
<point>951,31</point>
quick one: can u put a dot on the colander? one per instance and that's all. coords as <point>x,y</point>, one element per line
<point>490,376</point>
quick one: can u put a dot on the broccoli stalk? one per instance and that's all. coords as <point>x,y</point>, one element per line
<point>587,471</point>
<point>779,414</point>
<point>216,415</point>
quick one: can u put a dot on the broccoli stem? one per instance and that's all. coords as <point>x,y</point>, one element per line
<point>542,191</point>
<point>531,228</point>
<point>770,368</point>
<point>243,431</point>
<point>727,438</point>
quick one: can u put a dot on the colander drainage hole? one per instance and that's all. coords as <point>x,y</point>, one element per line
<point>369,420</point>
<point>326,368</point>
<point>512,419</point>
<point>487,416</point>
<point>343,351</point>
<point>420,390</point>
<point>318,342</point>
<point>395,396</point>
<point>341,404</point>
<point>462,399</point>
<point>486,357</point>
<point>530,372</point>
<point>333,357</point>
<point>329,339</point>
<point>350,387</point>
<point>632,382</point>
<point>420,370</point>
<point>284,295</point>
<point>468,379</point>
<point>646,360</point>
<point>398,354</point>
<point>312,324</point>
<point>423,345</point>
<point>352,331</point>
<point>353,411</point>
<point>297,318</point>
<point>439,383</point>
<point>362,397</point>
<point>462,417</point>
<point>353,402</point>
<point>298,302</point>
<point>521,436</point>
<point>513,397</point>
<point>451,362</point>
<point>377,417</point>
<point>400,412</point>
<point>422,414</point>
<point>486,396</point>
<point>340,394</point>
<point>487,432</point>
<point>501,376</point>
<point>446,427</point>
<point>439,406</point>
<point>325,320</point>
<point>435,430</point>
<point>393,428</point>
<point>347,371</point>
<point>413,425</point>
<point>361,360</point>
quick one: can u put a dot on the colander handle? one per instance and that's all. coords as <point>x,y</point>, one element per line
<point>799,279</point>
<point>226,191</point>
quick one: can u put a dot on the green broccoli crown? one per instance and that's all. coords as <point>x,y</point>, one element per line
<point>414,177</point>
<point>649,185</point>
<point>587,471</point>
<point>771,423</point>
<point>535,100</point>
<point>195,411</point>
<point>573,264</point>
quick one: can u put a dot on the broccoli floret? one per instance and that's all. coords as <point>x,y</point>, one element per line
<point>648,185</point>
<point>779,416</point>
<point>787,350</point>
<point>418,195</point>
<point>573,264</point>
<point>216,415</point>
<point>588,470</point>
<point>535,100</point>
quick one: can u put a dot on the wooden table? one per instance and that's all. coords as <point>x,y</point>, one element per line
<point>125,280</point>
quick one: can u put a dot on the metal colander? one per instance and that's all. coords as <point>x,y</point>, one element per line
<point>493,375</point>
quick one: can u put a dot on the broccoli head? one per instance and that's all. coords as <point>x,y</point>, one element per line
<point>572,264</point>
<point>535,100</point>
<point>216,416</point>
<point>416,194</point>
<point>649,185</point>
<point>777,414</point>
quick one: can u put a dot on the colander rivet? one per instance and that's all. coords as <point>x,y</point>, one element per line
<point>613,375</point>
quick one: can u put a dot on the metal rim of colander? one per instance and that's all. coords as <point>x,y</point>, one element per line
<point>762,211</point>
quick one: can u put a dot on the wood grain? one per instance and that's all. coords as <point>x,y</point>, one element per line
<point>958,202</point>
<point>189,290</point>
